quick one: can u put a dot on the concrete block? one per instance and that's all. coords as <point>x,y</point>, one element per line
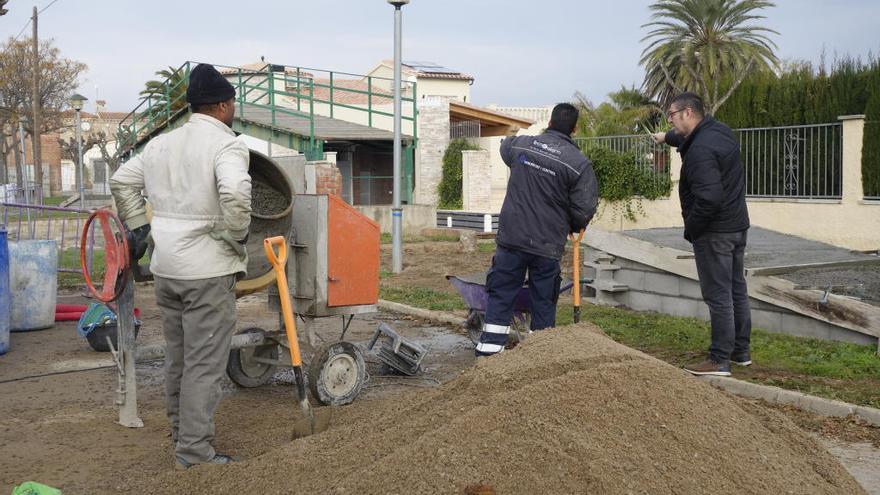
<point>789,397</point>
<point>635,279</point>
<point>644,301</point>
<point>804,327</point>
<point>680,306</point>
<point>768,320</point>
<point>689,288</point>
<point>634,265</point>
<point>756,304</point>
<point>703,311</point>
<point>869,414</point>
<point>662,283</point>
<point>825,407</point>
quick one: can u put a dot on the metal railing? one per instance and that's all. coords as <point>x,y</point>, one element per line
<point>468,129</point>
<point>299,92</point>
<point>648,154</point>
<point>39,222</point>
<point>798,162</point>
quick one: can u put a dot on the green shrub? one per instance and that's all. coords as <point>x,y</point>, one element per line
<point>802,94</point>
<point>871,147</point>
<point>624,182</point>
<point>449,188</point>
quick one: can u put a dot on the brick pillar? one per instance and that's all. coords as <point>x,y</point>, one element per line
<point>329,180</point>
<point>51,150</point>
<point>433,140</point>
<point>476,181</point>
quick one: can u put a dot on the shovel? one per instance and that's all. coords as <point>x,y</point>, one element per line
<point>278,261</point>
<point>576,261</point>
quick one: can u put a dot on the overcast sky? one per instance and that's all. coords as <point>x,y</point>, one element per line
<point>522,53</point>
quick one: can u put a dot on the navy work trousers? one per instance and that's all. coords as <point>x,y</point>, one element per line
<point>503,283</point>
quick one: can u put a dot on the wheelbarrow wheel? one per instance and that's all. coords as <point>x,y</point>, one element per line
<point>244,371</point>
<point>337,373</point>
<point>474,324</point>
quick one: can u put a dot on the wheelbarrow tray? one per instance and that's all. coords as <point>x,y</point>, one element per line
<point>472,288</point>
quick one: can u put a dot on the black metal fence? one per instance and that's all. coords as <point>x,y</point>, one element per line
<point>799,162</point>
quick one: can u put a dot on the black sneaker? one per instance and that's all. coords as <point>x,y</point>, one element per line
<point>742,359</point>
<point>183,464</point>
<point>709,367</point>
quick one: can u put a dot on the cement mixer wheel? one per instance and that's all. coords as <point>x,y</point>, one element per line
<point>337,373</point>
<point>246,372</point>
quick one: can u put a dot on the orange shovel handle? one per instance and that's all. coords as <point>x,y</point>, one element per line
<point>576,268</point>
<point>269,244</point>
<point>278,262</point>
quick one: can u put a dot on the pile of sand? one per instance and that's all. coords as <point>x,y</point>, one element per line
<point>568,411</point>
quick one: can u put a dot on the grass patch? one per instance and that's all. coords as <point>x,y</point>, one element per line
<point>421,297</point>
<point>486,247</point>
<point>69,258</point>
<point>385,238</point>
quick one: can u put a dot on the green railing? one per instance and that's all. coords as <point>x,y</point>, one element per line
<point>298,92</point>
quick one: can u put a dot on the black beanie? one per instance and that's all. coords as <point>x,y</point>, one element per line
<point>207,86</point>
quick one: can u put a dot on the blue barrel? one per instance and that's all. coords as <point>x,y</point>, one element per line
<point>33,279</point>
<point>4,293</point>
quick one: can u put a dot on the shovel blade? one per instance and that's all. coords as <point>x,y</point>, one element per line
<point>318,422</point>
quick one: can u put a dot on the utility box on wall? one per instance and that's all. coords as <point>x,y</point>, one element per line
<point>336,257</point>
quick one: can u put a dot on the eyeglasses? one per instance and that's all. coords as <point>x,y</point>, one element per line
<point>670,114</point>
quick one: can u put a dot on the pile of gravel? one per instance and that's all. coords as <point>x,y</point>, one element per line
<point>568,411</point>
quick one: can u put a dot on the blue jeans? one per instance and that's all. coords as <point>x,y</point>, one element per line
<point>503,283</point>
<point>719,257</point>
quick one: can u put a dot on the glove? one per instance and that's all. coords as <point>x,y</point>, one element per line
<point>237,246</point>
<point>138,240</point>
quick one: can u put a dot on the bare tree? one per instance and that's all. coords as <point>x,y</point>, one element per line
<point>58,78</point>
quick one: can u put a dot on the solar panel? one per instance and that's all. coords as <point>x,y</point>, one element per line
<point>430,67</point>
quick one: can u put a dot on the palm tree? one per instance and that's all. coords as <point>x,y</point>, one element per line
<point>167,93</point>
<point>705,46</point>
<point>627,111</point>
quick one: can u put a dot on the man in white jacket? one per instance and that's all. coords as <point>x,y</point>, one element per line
<point>196,180</point>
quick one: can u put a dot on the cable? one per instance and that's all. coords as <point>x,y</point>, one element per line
<point>11,380</point>
<point>28,23</point>
<point>46,7</point>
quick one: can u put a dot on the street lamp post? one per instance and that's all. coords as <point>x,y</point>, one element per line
<point>76,102</point>
<point>24,170</point>
<point>396,210</point>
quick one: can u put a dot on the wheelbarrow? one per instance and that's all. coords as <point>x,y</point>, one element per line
<point>472,288</point>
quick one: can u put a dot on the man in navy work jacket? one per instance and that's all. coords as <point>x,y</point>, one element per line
<point>713,204</point>
<point>552,191</point>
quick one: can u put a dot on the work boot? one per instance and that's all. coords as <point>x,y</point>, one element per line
<point>709,367</point>
<point>741,359</point>
<point>183,464</point>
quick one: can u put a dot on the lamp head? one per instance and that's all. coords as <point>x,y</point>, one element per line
<point>77,100</point>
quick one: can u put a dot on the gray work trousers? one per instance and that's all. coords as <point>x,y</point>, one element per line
<point>719,257</point>
<point>198,318</point>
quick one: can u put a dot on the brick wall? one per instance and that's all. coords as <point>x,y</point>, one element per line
<point>328,178</point>
<point>433,140</point>
<point>476,181</point>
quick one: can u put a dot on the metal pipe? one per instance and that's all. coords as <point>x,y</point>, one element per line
<point>396,210</point>
<point>24,170</point>
<point>79,157</point>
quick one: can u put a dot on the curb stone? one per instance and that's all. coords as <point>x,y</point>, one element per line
<point>773,395</point>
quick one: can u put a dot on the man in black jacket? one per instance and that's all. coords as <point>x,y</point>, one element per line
<point>552,191</point>
<point>713,204</point>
